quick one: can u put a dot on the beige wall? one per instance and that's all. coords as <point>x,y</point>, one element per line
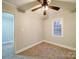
<point>69,25</point>
<point>6,7</point>
<point>28,29</point>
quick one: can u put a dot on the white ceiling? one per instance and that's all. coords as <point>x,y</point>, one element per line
<point>27,4</point>
<point>68,0</point>
<point>20,2</point>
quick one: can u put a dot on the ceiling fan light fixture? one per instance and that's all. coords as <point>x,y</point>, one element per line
<point>45,8</point>
<point>45,5</point>
<point>49,1</point>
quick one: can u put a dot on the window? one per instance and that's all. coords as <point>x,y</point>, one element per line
<point>8,27</point>
<point>57,27</point>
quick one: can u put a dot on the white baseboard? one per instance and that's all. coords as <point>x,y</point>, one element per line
<point>30,46</point>
<point>64,46</point>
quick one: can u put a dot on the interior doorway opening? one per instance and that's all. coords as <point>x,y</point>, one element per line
<point>7,28</point>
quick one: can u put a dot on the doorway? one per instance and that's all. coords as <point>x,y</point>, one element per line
<point>7,28</point>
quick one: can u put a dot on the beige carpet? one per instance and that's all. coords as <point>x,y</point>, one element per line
<point>48,51</point>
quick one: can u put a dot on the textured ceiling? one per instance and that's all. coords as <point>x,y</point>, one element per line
<point>20,2</point>
<point>27,4</point>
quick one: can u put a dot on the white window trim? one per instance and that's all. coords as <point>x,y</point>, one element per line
<point>61,19</point>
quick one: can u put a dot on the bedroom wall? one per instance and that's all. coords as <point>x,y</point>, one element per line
<point>28,29</point>
<point>7,7</point>
<point>69,28</point>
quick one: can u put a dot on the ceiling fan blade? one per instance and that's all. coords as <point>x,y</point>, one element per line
<point>36,8</point>
<point>54,7</point>
<point>39,1</point>
<point>44,12</point>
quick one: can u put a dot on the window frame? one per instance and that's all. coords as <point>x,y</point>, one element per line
<point>61,21</point>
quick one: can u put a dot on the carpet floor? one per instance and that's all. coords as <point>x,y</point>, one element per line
<point>40,51</point>
<point>48,51</point>
<point>8,52</point>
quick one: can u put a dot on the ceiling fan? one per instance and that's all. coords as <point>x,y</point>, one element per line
<point>45,6</point>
